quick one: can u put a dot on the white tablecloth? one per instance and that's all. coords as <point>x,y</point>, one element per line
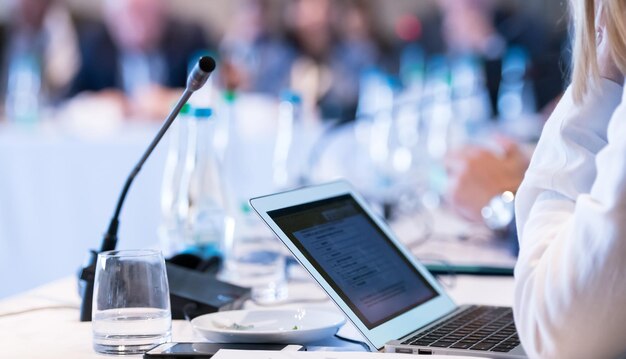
<point>57,194</point>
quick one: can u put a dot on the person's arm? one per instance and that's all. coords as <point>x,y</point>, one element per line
<point>570,277</point>
<point>476,174</point>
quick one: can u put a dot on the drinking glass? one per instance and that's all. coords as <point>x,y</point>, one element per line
<point>131,306</point>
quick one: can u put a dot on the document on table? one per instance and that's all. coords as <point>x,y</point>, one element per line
<point>237,354</point>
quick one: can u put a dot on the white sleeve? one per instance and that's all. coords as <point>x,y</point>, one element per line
<point>570,278</point>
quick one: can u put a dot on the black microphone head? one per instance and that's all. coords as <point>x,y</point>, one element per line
<point>200,73</point>
<point>207,64</point>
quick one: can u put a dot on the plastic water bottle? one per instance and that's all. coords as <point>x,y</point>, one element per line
<point>223,126</point>
<point>229,146</point>
<point>285,172</point>
<point>200,209</point>
<point>169,229</point>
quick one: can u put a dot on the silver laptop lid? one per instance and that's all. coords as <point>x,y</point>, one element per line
<point>355,258</point>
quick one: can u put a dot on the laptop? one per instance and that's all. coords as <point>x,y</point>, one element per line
<point>381,287</point>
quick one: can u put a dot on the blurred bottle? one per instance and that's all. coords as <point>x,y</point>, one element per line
<point>230,147</point>
<point>200,210</point>
<point>375,93</point>
<point>438,112</point>
<point>440,126</point>
<point>407,163</point>
<point>24,89</point>
<point>224,124</point>
<point>374,114</point>
<point>412,68</point>
<point>516,99</point>
<point>408,111</point>
<point>472,106</point>
<point>285,172</point>
<point>253,257</point>
<point>169,229</point>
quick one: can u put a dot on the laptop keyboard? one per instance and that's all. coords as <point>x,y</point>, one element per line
<point>476,327</point>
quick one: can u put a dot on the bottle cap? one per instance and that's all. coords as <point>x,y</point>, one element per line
<point>230,96</point>
<point>202,113</point>
<point>185,109</point>
<point>290,96</point>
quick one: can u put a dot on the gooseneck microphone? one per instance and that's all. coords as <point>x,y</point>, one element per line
<point>197,78</point>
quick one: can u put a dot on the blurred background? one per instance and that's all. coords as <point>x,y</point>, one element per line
<point>430,108</point>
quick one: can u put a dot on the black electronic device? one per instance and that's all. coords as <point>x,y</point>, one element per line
<point>180,296</point>
<point>193,292</point>
<point>207,350</point>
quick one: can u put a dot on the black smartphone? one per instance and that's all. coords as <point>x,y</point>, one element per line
<point>207,350</point>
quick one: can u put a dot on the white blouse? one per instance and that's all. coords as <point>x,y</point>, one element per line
<point>570,278</point>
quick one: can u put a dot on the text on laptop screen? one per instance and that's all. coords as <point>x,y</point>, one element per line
<point>355,257</point>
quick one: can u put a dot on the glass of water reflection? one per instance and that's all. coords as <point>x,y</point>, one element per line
<point>131,304</point>
<point>259,263</point>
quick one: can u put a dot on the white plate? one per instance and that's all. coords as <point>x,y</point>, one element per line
<point>296,326</point>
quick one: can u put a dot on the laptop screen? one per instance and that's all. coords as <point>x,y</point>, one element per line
<point>355,257</point>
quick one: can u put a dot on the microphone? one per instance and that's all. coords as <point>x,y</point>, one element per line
<point>197,78</point>
<point>200,73</point>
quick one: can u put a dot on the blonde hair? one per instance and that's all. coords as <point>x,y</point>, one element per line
<point>586,72</point>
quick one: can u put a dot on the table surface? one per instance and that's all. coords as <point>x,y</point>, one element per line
<point>55,331</point>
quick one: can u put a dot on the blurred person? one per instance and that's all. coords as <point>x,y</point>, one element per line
<point>569,278</point>
<point>486,29</point>
<point>139,58</point>
<point>362,46</point>
<point>255,57</point>
<point>334,43</point>
<point>38,48</point>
